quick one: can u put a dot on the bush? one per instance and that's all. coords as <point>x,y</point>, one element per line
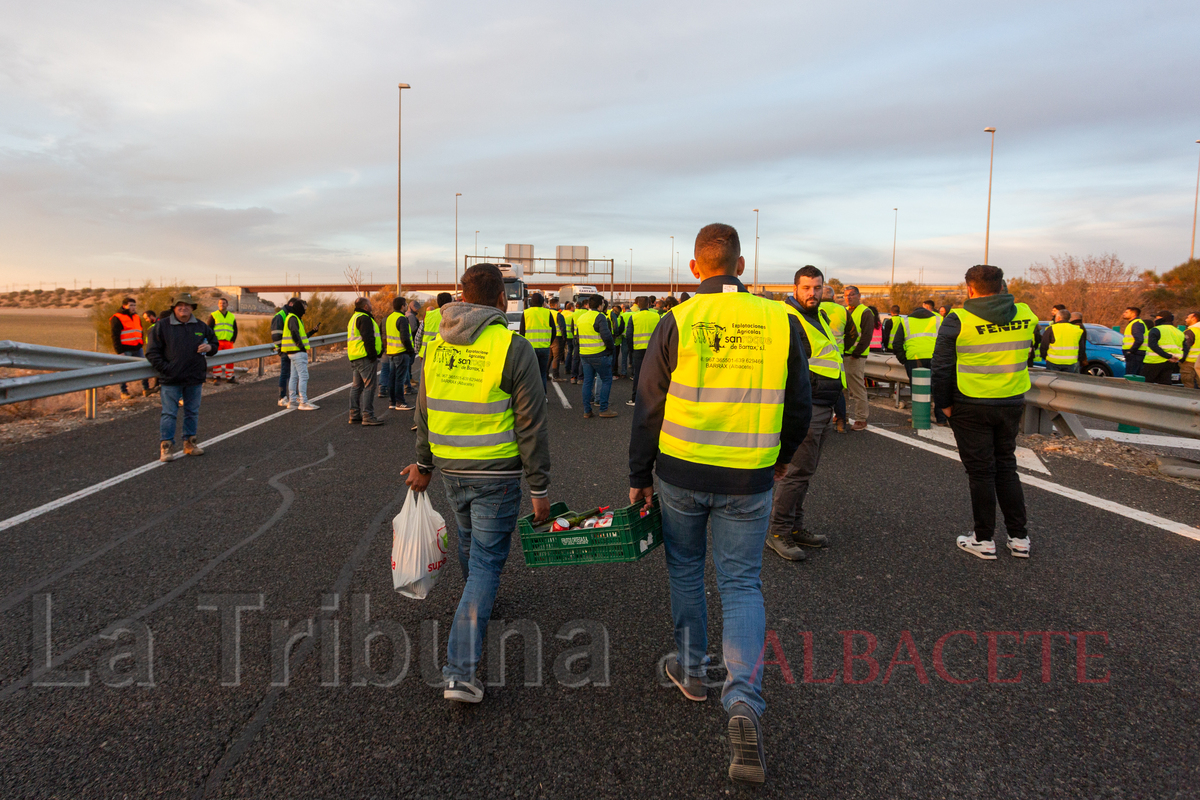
<point>148,297</point>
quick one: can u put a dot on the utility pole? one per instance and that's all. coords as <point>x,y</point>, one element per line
<point>988,230</point>
<point>895,227</point>
<point>399,152</point>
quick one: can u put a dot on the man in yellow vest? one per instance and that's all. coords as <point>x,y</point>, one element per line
<point>294,348</point>
<point>224,325</point>
<point>558,348</point>
<point>400,354</point>
<point>538,326</point>
<point>913,344</point>
<point>481,419</point>
<point>1164,349</point>
<point>1064,344</point>
<point>641,327</point>
<point>860,327</point>
<point>364,344</point>
<point>835,314</point>
<point>569,315</point>
<point>787,536</point>
<point>722,404</point>
<point>626,341</point>
<point>980,376</point>
<point>1191,349</point>
<point>1134,343</point>
<point>891,326</point>
<point>125,327</point>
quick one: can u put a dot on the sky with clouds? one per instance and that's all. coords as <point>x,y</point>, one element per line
<point>141,140</point>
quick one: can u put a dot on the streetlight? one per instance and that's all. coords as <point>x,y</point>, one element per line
<point>988,230</point>
<point>399,150</point>
<point>756,251</point>
<point>671,269</point>
<point>477,244</point>
<point>456,196</point>
<point>1192,257</point>
<point>895,227</point>
<point>629,281</point>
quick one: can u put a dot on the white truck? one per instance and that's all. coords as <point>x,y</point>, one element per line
<point>515,291</point>
<point>572,293</point>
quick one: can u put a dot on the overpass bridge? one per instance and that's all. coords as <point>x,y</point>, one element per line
<point>621,288</point>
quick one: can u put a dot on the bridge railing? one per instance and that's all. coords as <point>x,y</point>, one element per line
<point>76,377</point>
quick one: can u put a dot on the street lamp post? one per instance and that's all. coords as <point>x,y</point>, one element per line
<point>629,280</point>
<point>895,227</point>
<point>671,269</point>
<point>399,150</point>
<point>1196,206</point>
<point>987,234</point>
<point>477,244</point>
<point>456,196</point>
<point>756,251</point>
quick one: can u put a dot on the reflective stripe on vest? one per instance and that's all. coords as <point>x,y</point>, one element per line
<point>131,329</point>
<point>857,315</point>
<point>826,358</point>
<point>569,316</point>
<point>590,342</point>
<point>992,357</point>
<point>433,320</point>
<point>1170,341</point>
<point>1195,351</point>
<point>538,322</point>
<point>356,348</point>
<point>224,326</point>
<point>920,335</point>
<point>1127,342</point>
<point>289,345</point>
<point>724,406</point>
<point>644,323</point>
<point>470,417</point>
<point>625,317</point>
<point>1065,347</point>
<point>897,321</point>
<point>395,345</point>
<point>837,322</point>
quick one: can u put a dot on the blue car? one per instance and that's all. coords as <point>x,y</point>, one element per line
<point>1105,359</point>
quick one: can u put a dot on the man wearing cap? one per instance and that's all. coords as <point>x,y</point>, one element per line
<point>178,347</point>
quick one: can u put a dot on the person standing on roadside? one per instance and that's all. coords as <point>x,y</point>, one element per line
<point>1134,343</point>
<point>641,328</point>
<point>860,326</point>
<point>568,316</point>
<point>913,345</point>
<point>835,313</point>
<point>363,348</point>
<point>559,346</point>
<point>400,353</point>
<point>1164,349</point>
<point>724,402</point>
<point>626,339</point>
<point>293,346</point>
<point>595,353</point>
<point>980,375</point>
<point>285,363</point>
<point>128,339</point>
<point>178,348</point>
<point>537,326</point>
<point>481,419</point>
<point>414,324</point>
<point>1191,349</point>
<point>1064,345</point>
<point>224,324</point>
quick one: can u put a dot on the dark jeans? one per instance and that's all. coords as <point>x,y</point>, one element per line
<point>569,356</point>
<point>362,387</point>
<point>1133,361</point>
<point>285,374</point>
<point>385,376</point>
<point>138,353</point>
<point>597,366</point>
<point>638,356</point>
<point>787,510</point>
<point>543,357</point>
<point>576,363</point>
<point>987,445</point>
<point>1072,368</point>
<point>400,363</point>
<point>909,366</point>
<point>1158,373</point>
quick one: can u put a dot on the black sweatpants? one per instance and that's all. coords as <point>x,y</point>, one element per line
<point>1160,373</point>
<point>987,445</point>
<point>636,367</point>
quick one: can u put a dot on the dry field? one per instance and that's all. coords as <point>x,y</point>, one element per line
<point>53,328</point>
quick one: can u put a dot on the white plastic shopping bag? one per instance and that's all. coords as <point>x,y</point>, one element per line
<point>419,544</point>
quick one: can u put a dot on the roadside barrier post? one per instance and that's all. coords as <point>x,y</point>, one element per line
<point>920,399</point>
<point>1121,426</point>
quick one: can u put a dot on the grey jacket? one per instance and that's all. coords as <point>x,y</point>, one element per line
<point>462,323</point>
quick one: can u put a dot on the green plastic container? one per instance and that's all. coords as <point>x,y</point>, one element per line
<point>628,538</point>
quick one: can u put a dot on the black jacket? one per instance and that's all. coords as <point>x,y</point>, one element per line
<point>825,391</point>
<point>171,349</point>
<point>996,308</point>
<point>1047,339</point>
<point>367,331</point>
<point>1138,333</point>
<point>655,380</point>
<point>115,328</point>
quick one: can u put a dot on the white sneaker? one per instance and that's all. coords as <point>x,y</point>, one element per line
<point>404,407</point>
<point>630,403</point>
<point>307,406</point>
<point>463,691</point>
<point>985,550</point>
<point>1019,547</point>
<point>283,402</point>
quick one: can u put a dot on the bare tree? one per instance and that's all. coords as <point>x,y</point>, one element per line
<point>1099,287</point>
<point>354,277</point>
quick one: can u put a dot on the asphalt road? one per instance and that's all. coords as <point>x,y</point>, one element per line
<point>299,508</point>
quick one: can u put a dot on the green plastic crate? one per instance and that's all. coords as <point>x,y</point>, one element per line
<point>628,538</point>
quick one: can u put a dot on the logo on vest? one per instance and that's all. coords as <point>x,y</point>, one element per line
<point>1015,325</point>
<point>710,334</point>
<point>460,360</point>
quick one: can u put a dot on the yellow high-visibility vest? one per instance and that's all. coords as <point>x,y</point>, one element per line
<point>897,321</point>
<point>395,345</point>
<point>590,342</point>
<point>826,358</point>
<point>625,317</point>
<point>289,345</point>
<point>569,318</point>
<point>433,320</point>
<point>470,416</point>
<point>356,348</point>
<point>1170,341</point>
<point>644,323</point>
<point>920,335</point>
<point>1065,347</point>
<point>1195,351</point>
<point>837,322</point>
<point>539,322</point>
<point>856,315</point>
<point>992,357</point>
<point>725,402</point>
<point>224,326</point>
<point>1127,342</point>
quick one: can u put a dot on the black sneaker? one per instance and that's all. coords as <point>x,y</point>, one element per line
<point>806,538</point>
<point>692,688</point>
<point>463,691</point>
<point>356,420</point>
<point>747,763</point>
<point>784,547</point>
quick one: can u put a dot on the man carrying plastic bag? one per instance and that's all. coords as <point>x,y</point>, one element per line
<point>481,419</point>
<point>419,546</point>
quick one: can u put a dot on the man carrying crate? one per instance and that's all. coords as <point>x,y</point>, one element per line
<point>722,404</point>
<point>481,418</point>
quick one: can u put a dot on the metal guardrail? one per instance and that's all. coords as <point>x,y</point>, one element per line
<point>19,355</point>
<point>33,387</point>
<point>1161,408</point>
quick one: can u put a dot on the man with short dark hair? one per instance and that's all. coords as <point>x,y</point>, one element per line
<point>595,344</point>
<point>1064,346</point>
<point>363,346</point>
<point>128,339</point>
<point>722,404</point>
<point>1133,345</point>
<point>891,326</point>
<point>400,353</point>
<point>224,325</point>
<point>1164,349</point>
<point>1191,349</point>
<point>913,345</point>
<point>178,348</point>
<point>538,326</point>
<point>980,376</point>
<point>481,419</point>
<point>927,305</point>
<point>285,363</point>
<point>860,327</point>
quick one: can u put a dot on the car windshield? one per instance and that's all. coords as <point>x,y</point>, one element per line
<point>512,290</point>
<point>514,316</point>
<point>1100,335</point>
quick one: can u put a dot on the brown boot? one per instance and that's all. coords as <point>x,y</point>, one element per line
<point>165,450</point>
<point>190,448</point>
<point>841,426</point>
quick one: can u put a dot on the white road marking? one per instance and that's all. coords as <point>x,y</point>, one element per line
<point>561,396</point>
<point>133,473</point>
<point>1146,438</point>
<point>1096,502</point>
<point>1026,458</point>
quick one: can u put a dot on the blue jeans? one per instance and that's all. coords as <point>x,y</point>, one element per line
<point>569,356</point>
<point>297,377</point>
<point>385,376</point>
<point>170,411</point>
<point>593,367</point>
<point>485,511</point>
<point>400,364</point>
<point>285,374</point>
<point>543,359</point>
<point>739,531</point>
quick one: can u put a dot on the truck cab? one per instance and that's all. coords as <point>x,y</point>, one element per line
<point>573,293</point>
<point>515,291</point>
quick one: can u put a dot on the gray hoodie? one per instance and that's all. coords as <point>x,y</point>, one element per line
<point>462,323</point>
